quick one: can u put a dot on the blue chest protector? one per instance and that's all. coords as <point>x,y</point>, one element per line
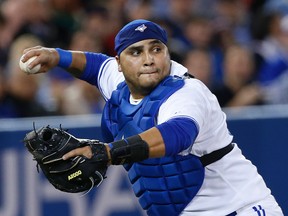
<point>164,186</point>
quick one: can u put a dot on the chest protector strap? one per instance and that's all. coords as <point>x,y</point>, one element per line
<point>164,186</point>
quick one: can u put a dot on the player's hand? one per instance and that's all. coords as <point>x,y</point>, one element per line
<point>84,151</point>
<point>48,58</point>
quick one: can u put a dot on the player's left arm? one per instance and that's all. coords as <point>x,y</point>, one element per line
<point>179,124</point>
<point>166,139</point>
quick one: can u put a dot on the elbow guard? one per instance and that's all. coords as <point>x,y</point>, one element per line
<point>130,150</point>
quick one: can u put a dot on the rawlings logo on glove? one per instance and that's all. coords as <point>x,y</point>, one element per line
<point>77,174</point>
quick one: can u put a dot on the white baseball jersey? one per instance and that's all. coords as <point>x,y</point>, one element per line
<point>230,183</point>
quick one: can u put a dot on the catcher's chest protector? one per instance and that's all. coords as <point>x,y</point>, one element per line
<point>165,185</point>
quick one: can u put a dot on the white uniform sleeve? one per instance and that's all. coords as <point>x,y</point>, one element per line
<point>195,101</point>
<point>109,77</point>
<point>177,69</point>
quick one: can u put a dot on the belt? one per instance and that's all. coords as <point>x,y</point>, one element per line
<point>216,155</point>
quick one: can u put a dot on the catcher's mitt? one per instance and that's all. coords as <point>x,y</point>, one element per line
<point>78,174</point>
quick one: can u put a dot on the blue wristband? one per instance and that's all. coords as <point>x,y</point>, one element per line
<point>65,58</point>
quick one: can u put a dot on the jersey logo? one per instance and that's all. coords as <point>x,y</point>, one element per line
<point>141,28</point>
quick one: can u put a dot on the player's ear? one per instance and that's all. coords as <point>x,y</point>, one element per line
<point>118,62</point>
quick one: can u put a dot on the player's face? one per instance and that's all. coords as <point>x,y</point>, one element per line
<point>144,65</point>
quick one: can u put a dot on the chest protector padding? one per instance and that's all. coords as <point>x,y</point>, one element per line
<point>164,186</point>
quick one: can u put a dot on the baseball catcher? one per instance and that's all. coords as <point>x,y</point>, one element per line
<point>167,130</point>
<point>77,174</point>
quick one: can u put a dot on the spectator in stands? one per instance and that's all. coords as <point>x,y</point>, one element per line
<point>232,22</point>
<point>139,9</point>
<point>175,21</point>
<point>199,64</point>
<point>273,47</point>
<point>200,33</point>
<point>272,50</point>
<point>238,88</point>
<point>19,20</point>
<point>97,23</point>
<point>20,98</point>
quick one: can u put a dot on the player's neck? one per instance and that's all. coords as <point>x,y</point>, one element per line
<point>134,101</point>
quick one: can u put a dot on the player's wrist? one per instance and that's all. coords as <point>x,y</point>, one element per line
<point>99,151</point>
<point>65,58</point>
<point>128,150</point>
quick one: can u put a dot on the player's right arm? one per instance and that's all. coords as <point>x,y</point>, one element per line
<point>95,68</point>
<point>73,61</point>
<point>49,58</point>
